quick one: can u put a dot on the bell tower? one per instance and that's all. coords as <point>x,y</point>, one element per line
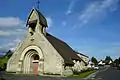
<point>36,19</point>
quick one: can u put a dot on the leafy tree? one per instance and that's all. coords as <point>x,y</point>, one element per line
<point>4,59</point>
<point>94,60</point>
<point>119,60</point>
<point>108,59</point>
<point>116,62</point>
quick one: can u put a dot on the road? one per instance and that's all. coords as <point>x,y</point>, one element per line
<point>35,78</point>
<point>103,74</point>
<point>108,74</point>
<point>4,76</point>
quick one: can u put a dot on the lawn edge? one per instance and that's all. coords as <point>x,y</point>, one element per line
<point>92,75</point>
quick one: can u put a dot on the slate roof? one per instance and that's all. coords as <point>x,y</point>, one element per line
<point>63,49</point>
<point>42,19</point>
<point>82,54</point>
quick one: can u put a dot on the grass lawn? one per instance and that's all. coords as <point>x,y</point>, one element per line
<point>82,74</point>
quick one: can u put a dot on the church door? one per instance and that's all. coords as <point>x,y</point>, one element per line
<point>35,68</point>
<point>35,64</point>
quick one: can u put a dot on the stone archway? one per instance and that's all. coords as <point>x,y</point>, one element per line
<point>29,61</point>
<point>31,55</point>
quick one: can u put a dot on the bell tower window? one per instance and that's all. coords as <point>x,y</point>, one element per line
<point>32,26</point>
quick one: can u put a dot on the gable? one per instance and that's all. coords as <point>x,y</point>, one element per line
<point>33,16</point>
<point>36,15</point>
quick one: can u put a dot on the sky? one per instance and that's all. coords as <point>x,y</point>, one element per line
<point>91,27</point>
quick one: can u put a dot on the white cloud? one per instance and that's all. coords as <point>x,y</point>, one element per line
<point>6,33</point>
<point>49,21</point>
<point>14,44</point>
<point>3,33</point>
<point>10,29</point>
<point>97,9</point>
<point>10,22</point>
<point>16,41</point>
<point>10,45</point>
<point>11,26</point>
<point>70,7</point>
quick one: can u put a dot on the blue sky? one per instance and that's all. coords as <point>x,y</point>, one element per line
<point>91,27</point>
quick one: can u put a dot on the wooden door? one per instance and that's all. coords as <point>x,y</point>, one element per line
<point>35,68</point>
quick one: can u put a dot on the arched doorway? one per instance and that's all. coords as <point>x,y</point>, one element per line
<point>27,58</point>
<point>31,62</point>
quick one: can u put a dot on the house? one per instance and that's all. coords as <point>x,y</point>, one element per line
<point>42,53</point>
<point>91,64</point>
<point>85,61</point>
<point>101,63</point>
<point>83,57</point>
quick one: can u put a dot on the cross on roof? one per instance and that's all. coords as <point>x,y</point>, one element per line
<point>38,2</point>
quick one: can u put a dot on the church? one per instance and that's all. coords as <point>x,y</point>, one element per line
<point>42,53</point>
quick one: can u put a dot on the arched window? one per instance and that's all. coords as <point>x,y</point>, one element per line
<point>32,26</point>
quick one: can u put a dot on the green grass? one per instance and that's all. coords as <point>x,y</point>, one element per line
<point>82,74</point>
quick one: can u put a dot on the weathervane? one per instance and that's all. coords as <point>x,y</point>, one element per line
<point>38,2</point>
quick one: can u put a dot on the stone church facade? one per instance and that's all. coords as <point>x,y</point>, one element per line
<point>41,53</point>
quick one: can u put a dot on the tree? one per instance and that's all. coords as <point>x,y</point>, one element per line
<point>116,62</point>
<point>4,59</point>
<point>94,60</point>
<point>119,60</point>
<point>108,59</point>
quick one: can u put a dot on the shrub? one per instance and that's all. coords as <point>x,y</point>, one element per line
<point>75,72</point>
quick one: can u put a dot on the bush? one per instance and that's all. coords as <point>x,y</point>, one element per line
<point>75,72</point>
<point>86,70</point>
<point>3,63</point>
<point>83,73</point>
